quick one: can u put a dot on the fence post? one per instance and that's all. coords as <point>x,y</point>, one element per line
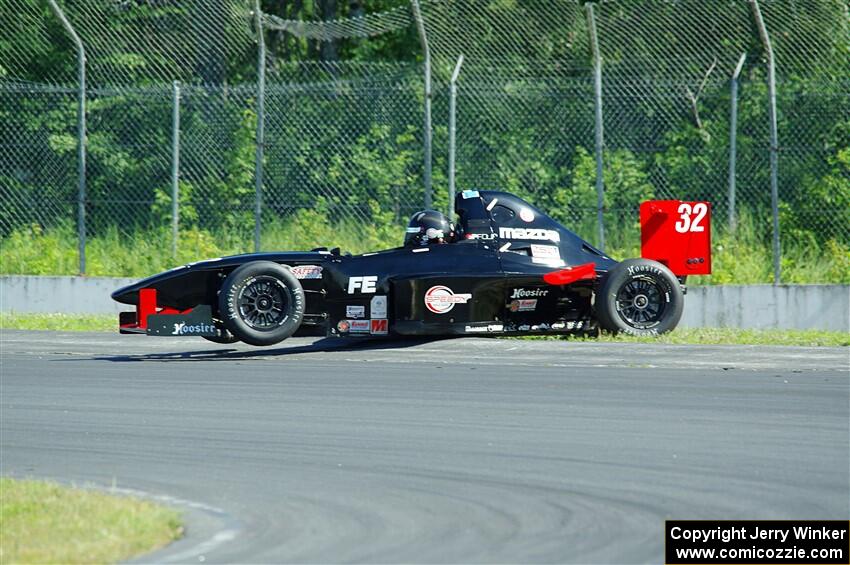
<point>261,119</point>
<point>423,38</point>
<point>175,164</point>
<point>774,137</point>
<point>600,139</point>
<point>452,133</point>
<point>733,143</point>
<point>81,133</point>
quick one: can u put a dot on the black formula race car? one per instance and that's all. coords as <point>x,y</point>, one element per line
<point>510,270</point>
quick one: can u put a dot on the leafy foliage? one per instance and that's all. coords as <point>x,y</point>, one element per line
<point>344,153</point>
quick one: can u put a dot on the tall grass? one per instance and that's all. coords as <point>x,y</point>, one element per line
<point>34,251</point>
<point>742,257</point>
<point>44,522</point>
<point>745,256</point>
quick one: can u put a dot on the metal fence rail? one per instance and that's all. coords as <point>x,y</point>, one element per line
<point>551,102</point>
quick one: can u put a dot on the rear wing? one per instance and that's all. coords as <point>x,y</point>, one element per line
<point>677,234</point>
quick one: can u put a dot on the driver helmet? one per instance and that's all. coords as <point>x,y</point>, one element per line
<point>428,227</point>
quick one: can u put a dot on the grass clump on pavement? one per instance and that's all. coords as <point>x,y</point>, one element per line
<point>43,522</point>
<point>734,336</point>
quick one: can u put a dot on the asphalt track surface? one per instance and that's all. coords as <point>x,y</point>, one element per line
<point>463,450</point>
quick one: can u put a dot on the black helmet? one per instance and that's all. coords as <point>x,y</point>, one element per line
<point>427,227</point>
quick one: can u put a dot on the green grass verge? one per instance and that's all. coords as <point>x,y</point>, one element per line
<point>59,322</point>
<point>716,336</point>
<point>43,522</point>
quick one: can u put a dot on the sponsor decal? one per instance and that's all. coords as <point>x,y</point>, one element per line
<point>529,292</point>
<point>490,328</point>
<point>378,307</point>
<point>526,215</point>
<point>545,251</point>
<point>635,269</point>
<point>485,236</point>
<point>355,311</point>
<point>470,194</point>
<point>525,305</point>
<point>365,285</point>
<point>529,233</point>
<point>540,328</point>
<point>524,328</point>
<point>360,326</point>
<point>343,326</point>
<point>307,272</point>
<point>195,322</point>
<point>182,329</point>
<point>441,299</point>
<point>492,204</point>
<point>558,325</point>
<point>380,327</point>
<point>554,263</point>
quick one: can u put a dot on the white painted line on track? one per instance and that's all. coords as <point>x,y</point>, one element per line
<point>198,551</point>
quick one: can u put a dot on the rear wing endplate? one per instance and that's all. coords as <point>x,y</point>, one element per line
<point>677,234</point>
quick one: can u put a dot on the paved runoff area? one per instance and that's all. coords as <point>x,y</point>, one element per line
<point>460,450</point>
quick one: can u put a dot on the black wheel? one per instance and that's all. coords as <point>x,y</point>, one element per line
<point>261,303</point>
<point>639,297</point>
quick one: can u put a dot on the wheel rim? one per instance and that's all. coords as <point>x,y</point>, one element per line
<point>641,302</point>
<point>263,303</point>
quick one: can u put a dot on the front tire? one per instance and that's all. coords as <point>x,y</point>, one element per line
<point>261,303</point>
<point>639,297</point>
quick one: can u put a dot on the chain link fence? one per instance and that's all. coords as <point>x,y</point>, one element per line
<point>173,95</point>
<point>39,166</point>
<point>343,152</point>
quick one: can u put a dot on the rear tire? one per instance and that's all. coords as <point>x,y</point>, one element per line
<point>261,303</point>
<point>639,297</point>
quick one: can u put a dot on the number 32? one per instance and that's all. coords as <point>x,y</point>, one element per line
<point>685,224</point>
